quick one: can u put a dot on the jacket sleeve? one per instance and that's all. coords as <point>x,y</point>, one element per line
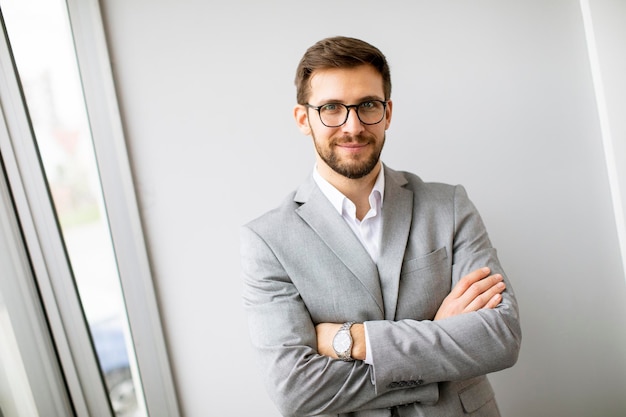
<point>298,379</point>
<point>458,347</point>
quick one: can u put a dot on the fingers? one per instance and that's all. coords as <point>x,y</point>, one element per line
<point>491,296</point>
<point>494,301</point>
<point>475,291</point>
<point>479,290</point>
<point>468,280</point>
<point>482,286</point>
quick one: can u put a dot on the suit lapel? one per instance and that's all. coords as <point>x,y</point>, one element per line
<point>322,217</point>
<point>397,217</point>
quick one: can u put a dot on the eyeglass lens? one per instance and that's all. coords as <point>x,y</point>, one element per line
<point>336,114</point>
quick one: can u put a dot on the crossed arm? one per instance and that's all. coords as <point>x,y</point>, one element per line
<point>284,305</point>
<point>475,291</point>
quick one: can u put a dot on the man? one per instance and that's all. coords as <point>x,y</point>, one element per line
<point>369,292</point>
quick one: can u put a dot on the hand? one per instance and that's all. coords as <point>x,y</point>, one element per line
<point>326,333</point>
<point>475,291</point>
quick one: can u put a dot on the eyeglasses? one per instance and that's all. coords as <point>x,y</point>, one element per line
<point>369,112</point>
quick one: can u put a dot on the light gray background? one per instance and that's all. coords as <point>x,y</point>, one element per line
<point>495,95</point>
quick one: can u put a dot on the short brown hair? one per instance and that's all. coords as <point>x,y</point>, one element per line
<point>339,52</point>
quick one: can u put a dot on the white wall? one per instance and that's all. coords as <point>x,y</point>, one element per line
<point>496,95</point>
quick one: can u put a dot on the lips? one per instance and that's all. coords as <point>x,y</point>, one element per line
<point>352,145</point>
<point>352,142</point>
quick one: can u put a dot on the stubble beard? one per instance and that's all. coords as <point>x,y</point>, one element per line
<point>351,168</point>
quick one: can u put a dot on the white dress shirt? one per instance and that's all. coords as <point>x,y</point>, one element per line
<point>368,230</point>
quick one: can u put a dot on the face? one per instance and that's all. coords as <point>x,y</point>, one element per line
<point>353,149</point>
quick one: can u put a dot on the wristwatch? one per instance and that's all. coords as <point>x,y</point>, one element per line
<point>342,342</point>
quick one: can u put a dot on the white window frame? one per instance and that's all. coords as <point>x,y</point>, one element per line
<point>25,313</point>
<point>121,206</point>
<point>610,111</point>
<point>43,240</point>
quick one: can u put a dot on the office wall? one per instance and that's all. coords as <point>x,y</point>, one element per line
<point>496,95</point>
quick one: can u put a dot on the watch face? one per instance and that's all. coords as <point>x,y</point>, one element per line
<point>341,342</point>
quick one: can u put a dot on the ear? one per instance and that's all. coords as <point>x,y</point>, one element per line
<point>388,114</point>
<point>302,119</point>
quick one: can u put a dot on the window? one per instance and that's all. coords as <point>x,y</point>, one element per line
<point>67,169</point>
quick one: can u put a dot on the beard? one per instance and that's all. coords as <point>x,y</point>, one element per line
<point>350,167</point>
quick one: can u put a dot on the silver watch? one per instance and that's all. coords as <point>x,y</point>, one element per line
<point>342,342</point>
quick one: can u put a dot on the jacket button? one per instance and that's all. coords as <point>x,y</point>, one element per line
<point>420,382</point>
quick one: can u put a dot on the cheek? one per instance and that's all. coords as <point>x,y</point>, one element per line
<point>377,132</point>
<point>322,135</point>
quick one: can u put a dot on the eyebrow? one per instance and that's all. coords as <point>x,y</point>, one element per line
<point>361,100</point>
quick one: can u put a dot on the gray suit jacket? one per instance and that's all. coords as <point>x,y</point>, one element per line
<point>302,265</point>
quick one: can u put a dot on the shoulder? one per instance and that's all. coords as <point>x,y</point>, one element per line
<point>421,188</point>
<point>277,217</point>
<point>285,214</point>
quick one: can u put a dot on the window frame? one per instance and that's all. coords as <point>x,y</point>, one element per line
<point>121,206</point>
<point>23,307</point>
<point>42,237</point>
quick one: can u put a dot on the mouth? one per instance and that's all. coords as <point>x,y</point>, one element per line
<point>351,145</point>
<point>353,142</point>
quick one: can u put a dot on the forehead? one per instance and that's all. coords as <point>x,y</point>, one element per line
<point>346,84</point>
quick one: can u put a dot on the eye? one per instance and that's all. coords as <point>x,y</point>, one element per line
<point>330,108</point>
<point>372,106</point>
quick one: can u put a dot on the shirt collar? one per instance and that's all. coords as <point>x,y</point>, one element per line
<point>337,199</point>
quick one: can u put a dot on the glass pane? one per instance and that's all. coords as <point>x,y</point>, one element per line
<point>16,396</point>
<point>40,37</point>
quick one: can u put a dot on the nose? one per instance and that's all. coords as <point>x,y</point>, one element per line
<point>352,124</point>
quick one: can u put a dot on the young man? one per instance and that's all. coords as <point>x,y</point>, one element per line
<point>369,292</point>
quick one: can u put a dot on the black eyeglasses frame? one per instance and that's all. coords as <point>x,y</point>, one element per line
<point>348,107</point>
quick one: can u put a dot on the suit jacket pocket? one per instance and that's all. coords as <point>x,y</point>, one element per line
<point>477,395</point>
<point>424,283</point>
<point>424,261</point>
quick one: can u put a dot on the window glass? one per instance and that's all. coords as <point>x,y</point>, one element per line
<point>38,31</point>
<point>15,391</point>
